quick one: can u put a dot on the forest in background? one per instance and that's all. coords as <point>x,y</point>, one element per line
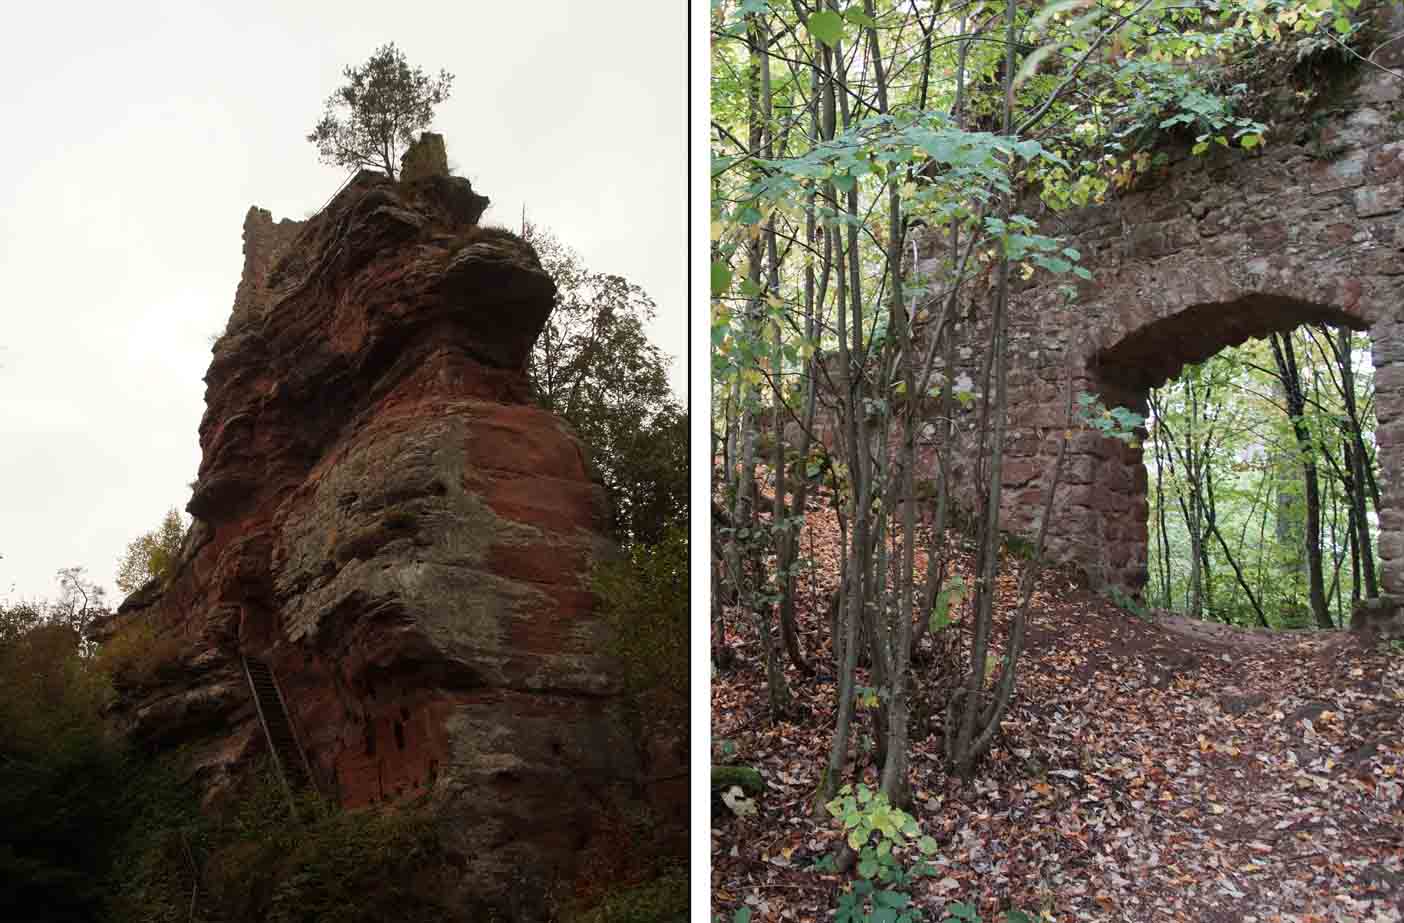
<point>853,597</point>
<point>1264,483</point>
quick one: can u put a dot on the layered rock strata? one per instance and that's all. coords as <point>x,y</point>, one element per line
<point>384,518</point>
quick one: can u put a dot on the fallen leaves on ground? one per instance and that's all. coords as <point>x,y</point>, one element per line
<point>1148,770</point>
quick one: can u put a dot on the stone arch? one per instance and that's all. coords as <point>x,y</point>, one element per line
<point>1207,253</point>
<point>1147,357</point>
<point>1157,352</point>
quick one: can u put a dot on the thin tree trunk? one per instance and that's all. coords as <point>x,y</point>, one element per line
<point>1358,484</point>
<point>967,733</point>
<point>1162,537</point>
<point>850,388</point>
<point>894,637</point>
<point>1238,575</point>
<point>779,693</point>
<point>1286,359</point>
<point>783,525</point>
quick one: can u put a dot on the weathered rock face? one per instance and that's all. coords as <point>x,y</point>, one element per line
<point>382,516</point>
<point>1204,254</point>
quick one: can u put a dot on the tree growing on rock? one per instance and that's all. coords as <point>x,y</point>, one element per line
<point>370,120</point>
<point>151,555</point>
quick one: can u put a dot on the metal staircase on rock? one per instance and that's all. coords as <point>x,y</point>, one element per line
<point>188,873</point>
<point>288,756</point>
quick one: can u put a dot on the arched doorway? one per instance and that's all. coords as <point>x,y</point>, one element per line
<point>1154,354</point>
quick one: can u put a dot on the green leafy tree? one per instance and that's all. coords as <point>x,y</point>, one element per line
<point>152,555</point>
<point>58,770</point>
<point>593,364</point>
<point>646,598</point>
<point>370,120</point>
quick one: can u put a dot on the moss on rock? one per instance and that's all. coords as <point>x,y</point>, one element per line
<point>723,777</point>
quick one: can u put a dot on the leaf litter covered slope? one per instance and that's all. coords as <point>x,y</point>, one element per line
<point>1146,772</point>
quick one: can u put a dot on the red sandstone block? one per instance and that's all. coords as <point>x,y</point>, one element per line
<point>537,563</point>
<point>555,505</point>
<point>526,441</point>
<point>1019,472</point>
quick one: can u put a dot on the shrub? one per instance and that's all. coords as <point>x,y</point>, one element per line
<point>137,653</point>
<point>645,599</point>
<point>662,900</point>
<point>259,863</point>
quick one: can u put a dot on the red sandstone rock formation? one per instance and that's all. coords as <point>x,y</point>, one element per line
<point>382,516</point>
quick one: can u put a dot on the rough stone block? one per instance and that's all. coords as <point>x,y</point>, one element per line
<point>1391,545</point>
<point>425,157</point>
<point>1387,161</point>
<point>1343,173</point>
<point>1381,618</point>
<point>1383,199</point>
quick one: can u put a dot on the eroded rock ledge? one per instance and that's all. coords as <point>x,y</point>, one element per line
<point>382,517</point>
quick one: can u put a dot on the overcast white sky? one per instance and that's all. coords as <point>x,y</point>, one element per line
<point>140,133</point>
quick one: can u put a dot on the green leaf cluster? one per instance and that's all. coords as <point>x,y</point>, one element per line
<point>1113,422</point>
<point>152,555</point>
<point>875,828</point>
<point>946,600</point>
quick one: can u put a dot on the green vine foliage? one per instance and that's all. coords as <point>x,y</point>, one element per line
<point>1112,422</point>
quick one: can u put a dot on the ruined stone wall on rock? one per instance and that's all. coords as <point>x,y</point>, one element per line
<point>1202,254</point>
<point>264,239</point>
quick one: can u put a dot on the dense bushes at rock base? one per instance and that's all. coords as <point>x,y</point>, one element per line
<point>257,862</point>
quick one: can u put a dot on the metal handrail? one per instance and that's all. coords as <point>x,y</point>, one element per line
<point>292,727</point>
<point>268,736</point>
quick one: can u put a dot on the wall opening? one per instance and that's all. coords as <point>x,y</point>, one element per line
<point>1260,433</point>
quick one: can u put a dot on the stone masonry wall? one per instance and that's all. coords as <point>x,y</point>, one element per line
<point>1207,253</point>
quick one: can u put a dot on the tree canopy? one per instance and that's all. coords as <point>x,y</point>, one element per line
<point>594,365</point>
<point>373,118</point>
<point>151,555</point>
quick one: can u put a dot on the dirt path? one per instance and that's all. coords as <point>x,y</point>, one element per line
<point>1228,635</point>
<point>1148,771</point>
